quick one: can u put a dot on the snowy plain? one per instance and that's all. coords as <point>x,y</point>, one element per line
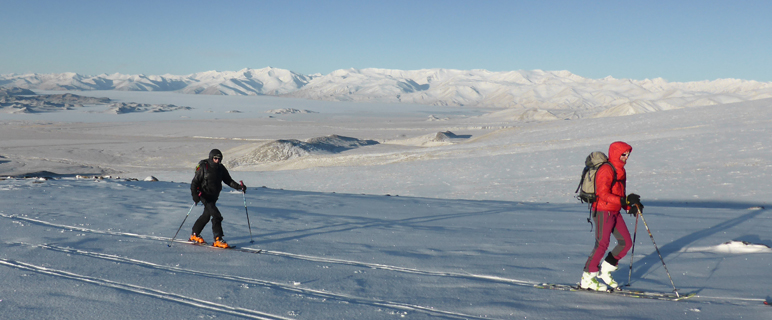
<point>410,228</point>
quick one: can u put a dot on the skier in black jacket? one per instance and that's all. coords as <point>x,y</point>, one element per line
<point>206,187</point>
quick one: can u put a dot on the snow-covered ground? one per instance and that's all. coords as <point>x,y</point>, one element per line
<point>414,226</point>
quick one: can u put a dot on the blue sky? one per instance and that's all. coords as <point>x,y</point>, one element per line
<point>675,40</point>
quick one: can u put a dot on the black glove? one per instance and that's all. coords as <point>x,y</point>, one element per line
<point>196,198</point>
<point>634,210</point>
<point>242,187</point>
<point>634,201</point>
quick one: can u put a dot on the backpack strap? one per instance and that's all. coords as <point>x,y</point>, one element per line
<point>589,219</point>
<point>203,165</point>
<point>584,174</point>
<point>613,177</point>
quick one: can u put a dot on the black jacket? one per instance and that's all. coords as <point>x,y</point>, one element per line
<point>209,178</point>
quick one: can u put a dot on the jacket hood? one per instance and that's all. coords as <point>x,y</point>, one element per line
<point>615,151</point>
<point>213,153</point>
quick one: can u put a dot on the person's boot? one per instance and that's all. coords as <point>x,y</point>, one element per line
<point>590,282</point>
<point>220,243</point>
<point>605,274</point>
<point>195,238</point>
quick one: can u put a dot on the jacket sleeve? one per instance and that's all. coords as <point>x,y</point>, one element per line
<point>226,178</point>
<point>603,180</point>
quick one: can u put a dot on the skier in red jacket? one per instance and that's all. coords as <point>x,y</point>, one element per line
<point>606,212</point>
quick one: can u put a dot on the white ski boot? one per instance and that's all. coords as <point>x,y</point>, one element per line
<point>590,282</point>
<point>605,273</point>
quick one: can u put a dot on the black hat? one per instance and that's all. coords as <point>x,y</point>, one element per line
<point>215,153</point>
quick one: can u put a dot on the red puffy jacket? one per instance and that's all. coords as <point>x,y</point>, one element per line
<point>609,197</point>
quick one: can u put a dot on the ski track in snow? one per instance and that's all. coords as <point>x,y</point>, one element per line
<point>264,283</point>
<point>324,294</point>
<point>143,291</point>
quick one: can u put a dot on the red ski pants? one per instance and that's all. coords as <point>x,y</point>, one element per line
<point>608,223</point>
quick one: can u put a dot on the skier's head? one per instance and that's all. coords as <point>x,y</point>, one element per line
<point>215,155</point>
<point>615,152</point>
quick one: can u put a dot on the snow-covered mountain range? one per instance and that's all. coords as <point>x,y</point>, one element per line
<point>266,81</point>
<point>543,94</point>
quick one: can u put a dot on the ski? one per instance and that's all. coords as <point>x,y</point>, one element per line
<point>667,296</point>
<point>209,245</point>
<point>247,250</point>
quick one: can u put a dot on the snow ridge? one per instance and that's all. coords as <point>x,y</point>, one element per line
<point>545,95</point>
<point>266,81</point>
<point>286,149</point>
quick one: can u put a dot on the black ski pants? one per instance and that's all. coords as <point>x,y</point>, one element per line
<point>210,212</point>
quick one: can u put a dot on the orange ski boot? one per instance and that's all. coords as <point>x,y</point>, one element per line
<point>195,238</point>
<point>220,243</point>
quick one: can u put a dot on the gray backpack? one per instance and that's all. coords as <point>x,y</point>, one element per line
<point>586,188</point>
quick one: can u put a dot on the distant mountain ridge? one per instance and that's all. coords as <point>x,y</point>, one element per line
<point>266,81</point>
<point>558,94</point>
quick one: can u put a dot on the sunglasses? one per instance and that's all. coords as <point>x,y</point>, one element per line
<point>626,154</point>
<point>217,158</point>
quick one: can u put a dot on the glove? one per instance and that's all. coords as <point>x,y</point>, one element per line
<point>634,201</point>
<point>196,198</point>
<point>242,187</point>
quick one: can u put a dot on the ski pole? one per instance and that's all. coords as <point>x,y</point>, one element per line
<point>183,222</point>
<point>640,212</point>
<point>632,252</point>
<point>244,195</point>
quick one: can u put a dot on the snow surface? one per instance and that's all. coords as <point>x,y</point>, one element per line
<point>458,229</point>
